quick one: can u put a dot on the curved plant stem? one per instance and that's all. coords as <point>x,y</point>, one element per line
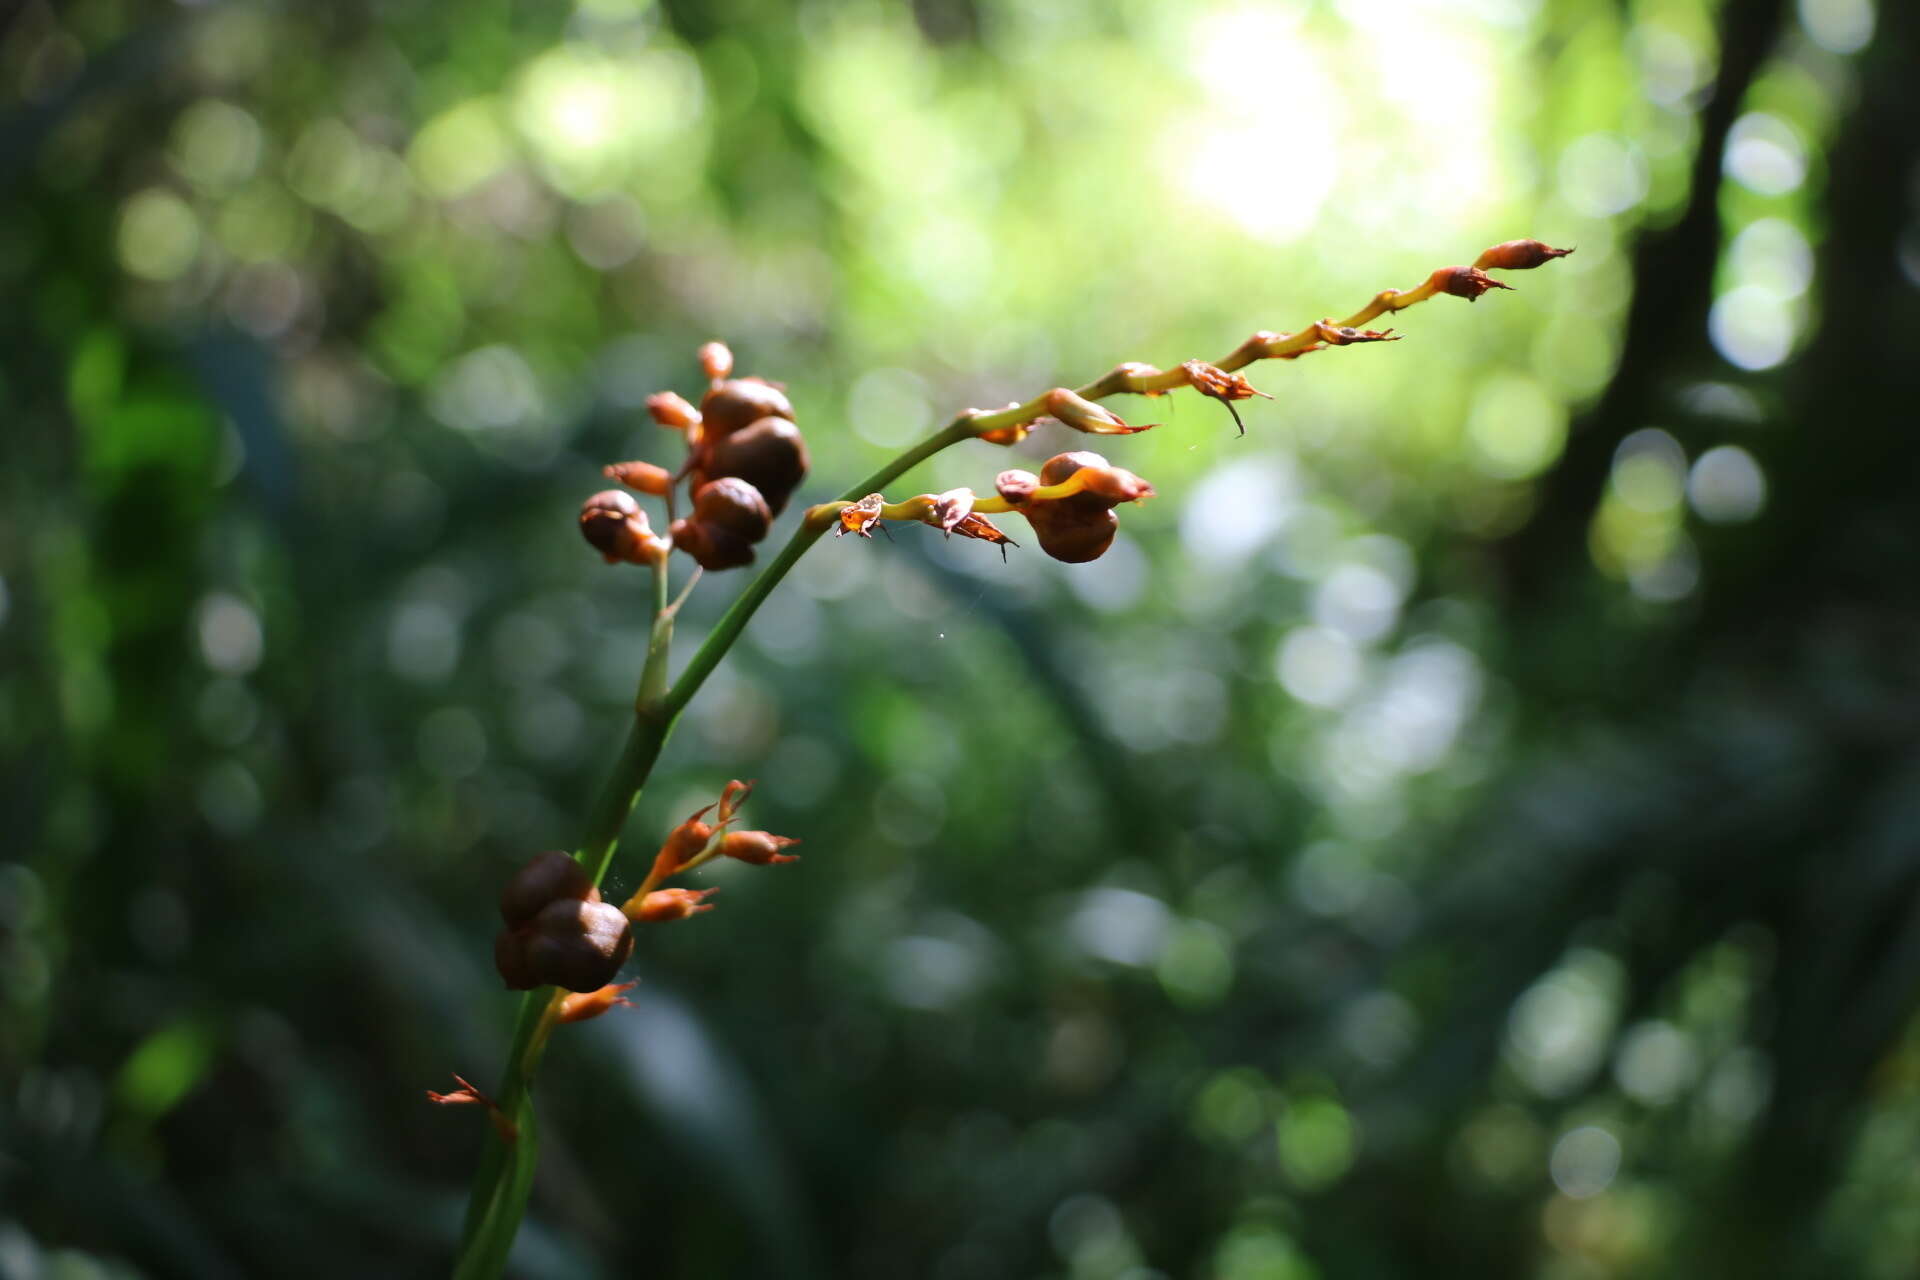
<point>505,1176</point>
<point>735,620</point>
<point>504,1179</point>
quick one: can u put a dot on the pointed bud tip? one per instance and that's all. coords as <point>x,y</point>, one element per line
<point>672,411</point>
<point>1519,255</point>
<point>643,476</point>
<point>582,1005</point>
<point>716,360</point>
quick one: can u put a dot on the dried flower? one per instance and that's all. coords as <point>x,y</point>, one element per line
<point>951,509</point>
<point>1342,335</point>
<point>732,796</point>
<point>663,905</point>
<point>467,1095</point>
<point>758,847</point>
<point>583,1005</point>
<point>950,512</point>
<point>1218,384</point>
<point>860,517</point>
<point>1084,415</point>
<point>1519,255</point>
<point>1464,282</point>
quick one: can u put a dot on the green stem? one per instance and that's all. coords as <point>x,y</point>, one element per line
<point>504,1179</point>
<point>735,620</point>
<point>653,677</point>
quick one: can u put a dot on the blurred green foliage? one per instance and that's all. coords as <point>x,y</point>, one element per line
<point>1470,825</point>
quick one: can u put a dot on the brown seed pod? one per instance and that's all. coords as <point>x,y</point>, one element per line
<point>770,455</point>
<point>739,403</point>
<point>1061,466</point>
<point>557,929</point>
<point>1073,533</point>
<point>616,526</point>
<point>546,878</point>
<point>1080,526</point>
<point>510,961</point>
<point>573,944</point>
<point>732,504</point>
<point>712,548</point>
<point>729,516</point>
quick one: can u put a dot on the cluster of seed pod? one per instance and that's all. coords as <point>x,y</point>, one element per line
<point>696,842</point>
<point>559,933</point>
<point>1069,504</point>
<point>745,457</point>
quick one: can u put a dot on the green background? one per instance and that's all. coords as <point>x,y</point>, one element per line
<point>1470,825</point>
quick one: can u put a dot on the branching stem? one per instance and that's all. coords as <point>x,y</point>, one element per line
<point>505,1175</point>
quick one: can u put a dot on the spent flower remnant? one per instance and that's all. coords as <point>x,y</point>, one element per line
<point>745,460</point>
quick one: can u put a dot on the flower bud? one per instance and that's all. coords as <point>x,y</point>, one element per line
<point>729,516</point>
<point>671,411</point>
<point>465,1096</point>
<point>716,361</point>
<point>663,905</point>
<point>950,509</point>
<point>615,526</point>
<point>1464,282</point>
<point>739,403</point>
<point>732,796</point>
<point>770,455</point>
<point>591,1004</point>
<point>1519,255</point>
<point>758,847</point>
<point>643,476</point>
<point>683,844</point>
<point>570,943</point>
<point>468,1095</point>
<point>1084,415</point>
